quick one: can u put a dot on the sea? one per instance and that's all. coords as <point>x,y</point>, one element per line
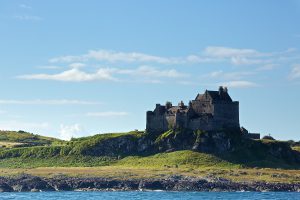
<point>161,195</point>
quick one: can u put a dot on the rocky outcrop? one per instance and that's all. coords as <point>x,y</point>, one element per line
<point>28,183</point>
<point>227,144</point>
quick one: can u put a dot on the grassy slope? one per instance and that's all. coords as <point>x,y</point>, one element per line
<point>72,154</point>
<point>179,163</point>
<point>57,156</point>
<point>13,138</point>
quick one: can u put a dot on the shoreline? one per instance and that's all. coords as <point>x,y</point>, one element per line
<point>27,183</point>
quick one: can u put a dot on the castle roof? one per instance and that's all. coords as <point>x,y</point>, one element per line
<point>215,96</point>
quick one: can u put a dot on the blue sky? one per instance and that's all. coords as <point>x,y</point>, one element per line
<point>75,68</point>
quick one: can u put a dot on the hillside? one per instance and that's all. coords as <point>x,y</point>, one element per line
<point>219,149</point>
<point>9,139</point>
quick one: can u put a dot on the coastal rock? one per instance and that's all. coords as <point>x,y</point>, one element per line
<point>4,187</point>
<point>173,183</point>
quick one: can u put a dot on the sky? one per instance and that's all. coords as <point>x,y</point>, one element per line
<point>78,68</point>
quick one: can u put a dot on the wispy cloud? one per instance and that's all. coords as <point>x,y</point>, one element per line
<point>77,65</point>
<point>89,66</point>
<point>226,52</point>
<point>25,6</point>
<point>295,72</point>
<point>49,67</point>
<point>152,72</point>
<point>238,56</point>
<point>239,84</point>
<point>73,75</point>
<point>211,54</point>
<point>49,102</point>
<point>268,67</point>
<point>112,56</point>
<point>130,57</point>
<point>220,74</point>
<point>106,74</point>
<point>106,114</point>
<point>28,18</point>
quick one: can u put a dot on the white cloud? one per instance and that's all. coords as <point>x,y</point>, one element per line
<point>152,72</point>
<point>226,52</point>
<point>248,61</point>
<point>295,72</point>
<point>106,74</point>
<point>49,102</point>
<point>239,84</point>
<point>74,75</point>
<point>49,67</point>
<point>220,74</point>
<point>107,114</point>
<point>66,132</point>
<point>236,56</point>
<point>112,56</point>
<point>77,65</point>
<point>28,18</point>
<point>267,67</point>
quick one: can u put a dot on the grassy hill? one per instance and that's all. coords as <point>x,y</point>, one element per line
<point>138,148</point>
<point>137,154</point>
<point>11,139</point>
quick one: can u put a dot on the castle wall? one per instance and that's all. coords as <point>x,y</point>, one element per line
<point>159,122</point>
<point>181,120</point>
<point>199,123</point>
<point>226,114</point>
<point>202,106</point>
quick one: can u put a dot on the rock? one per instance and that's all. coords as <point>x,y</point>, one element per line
<point>172,183</point>
<point>4,187</point>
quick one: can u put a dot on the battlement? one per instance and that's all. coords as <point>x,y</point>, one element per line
<point>212,110</point>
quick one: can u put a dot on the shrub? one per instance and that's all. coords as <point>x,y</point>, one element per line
<point>268,137</point>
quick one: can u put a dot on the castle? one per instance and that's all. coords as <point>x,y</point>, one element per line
<point>213,110</point>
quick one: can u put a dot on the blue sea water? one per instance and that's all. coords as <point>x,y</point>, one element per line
<point>150,195</point>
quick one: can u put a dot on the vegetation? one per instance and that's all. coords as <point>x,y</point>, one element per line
<point>103,155</point>
<point>22,138</point>
<point>183,159</point>
<point>268,137</point>
<point>162,165</point>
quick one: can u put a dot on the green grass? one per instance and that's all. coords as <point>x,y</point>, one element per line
<point>162,165</point>
<point>27,138</point>
<point>176,159</point>
<point>88,151</point>
<point>56,161</point>
<point>164,136</point>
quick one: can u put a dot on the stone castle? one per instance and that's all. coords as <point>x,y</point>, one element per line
<point>213,110</point>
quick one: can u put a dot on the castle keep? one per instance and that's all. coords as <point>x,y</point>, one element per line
<point>212,110</point>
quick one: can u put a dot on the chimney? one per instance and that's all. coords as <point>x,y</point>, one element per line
<point>225,89</point>
<point>221,90</point>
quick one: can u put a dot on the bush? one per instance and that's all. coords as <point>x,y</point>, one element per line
<point>268,137</point>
